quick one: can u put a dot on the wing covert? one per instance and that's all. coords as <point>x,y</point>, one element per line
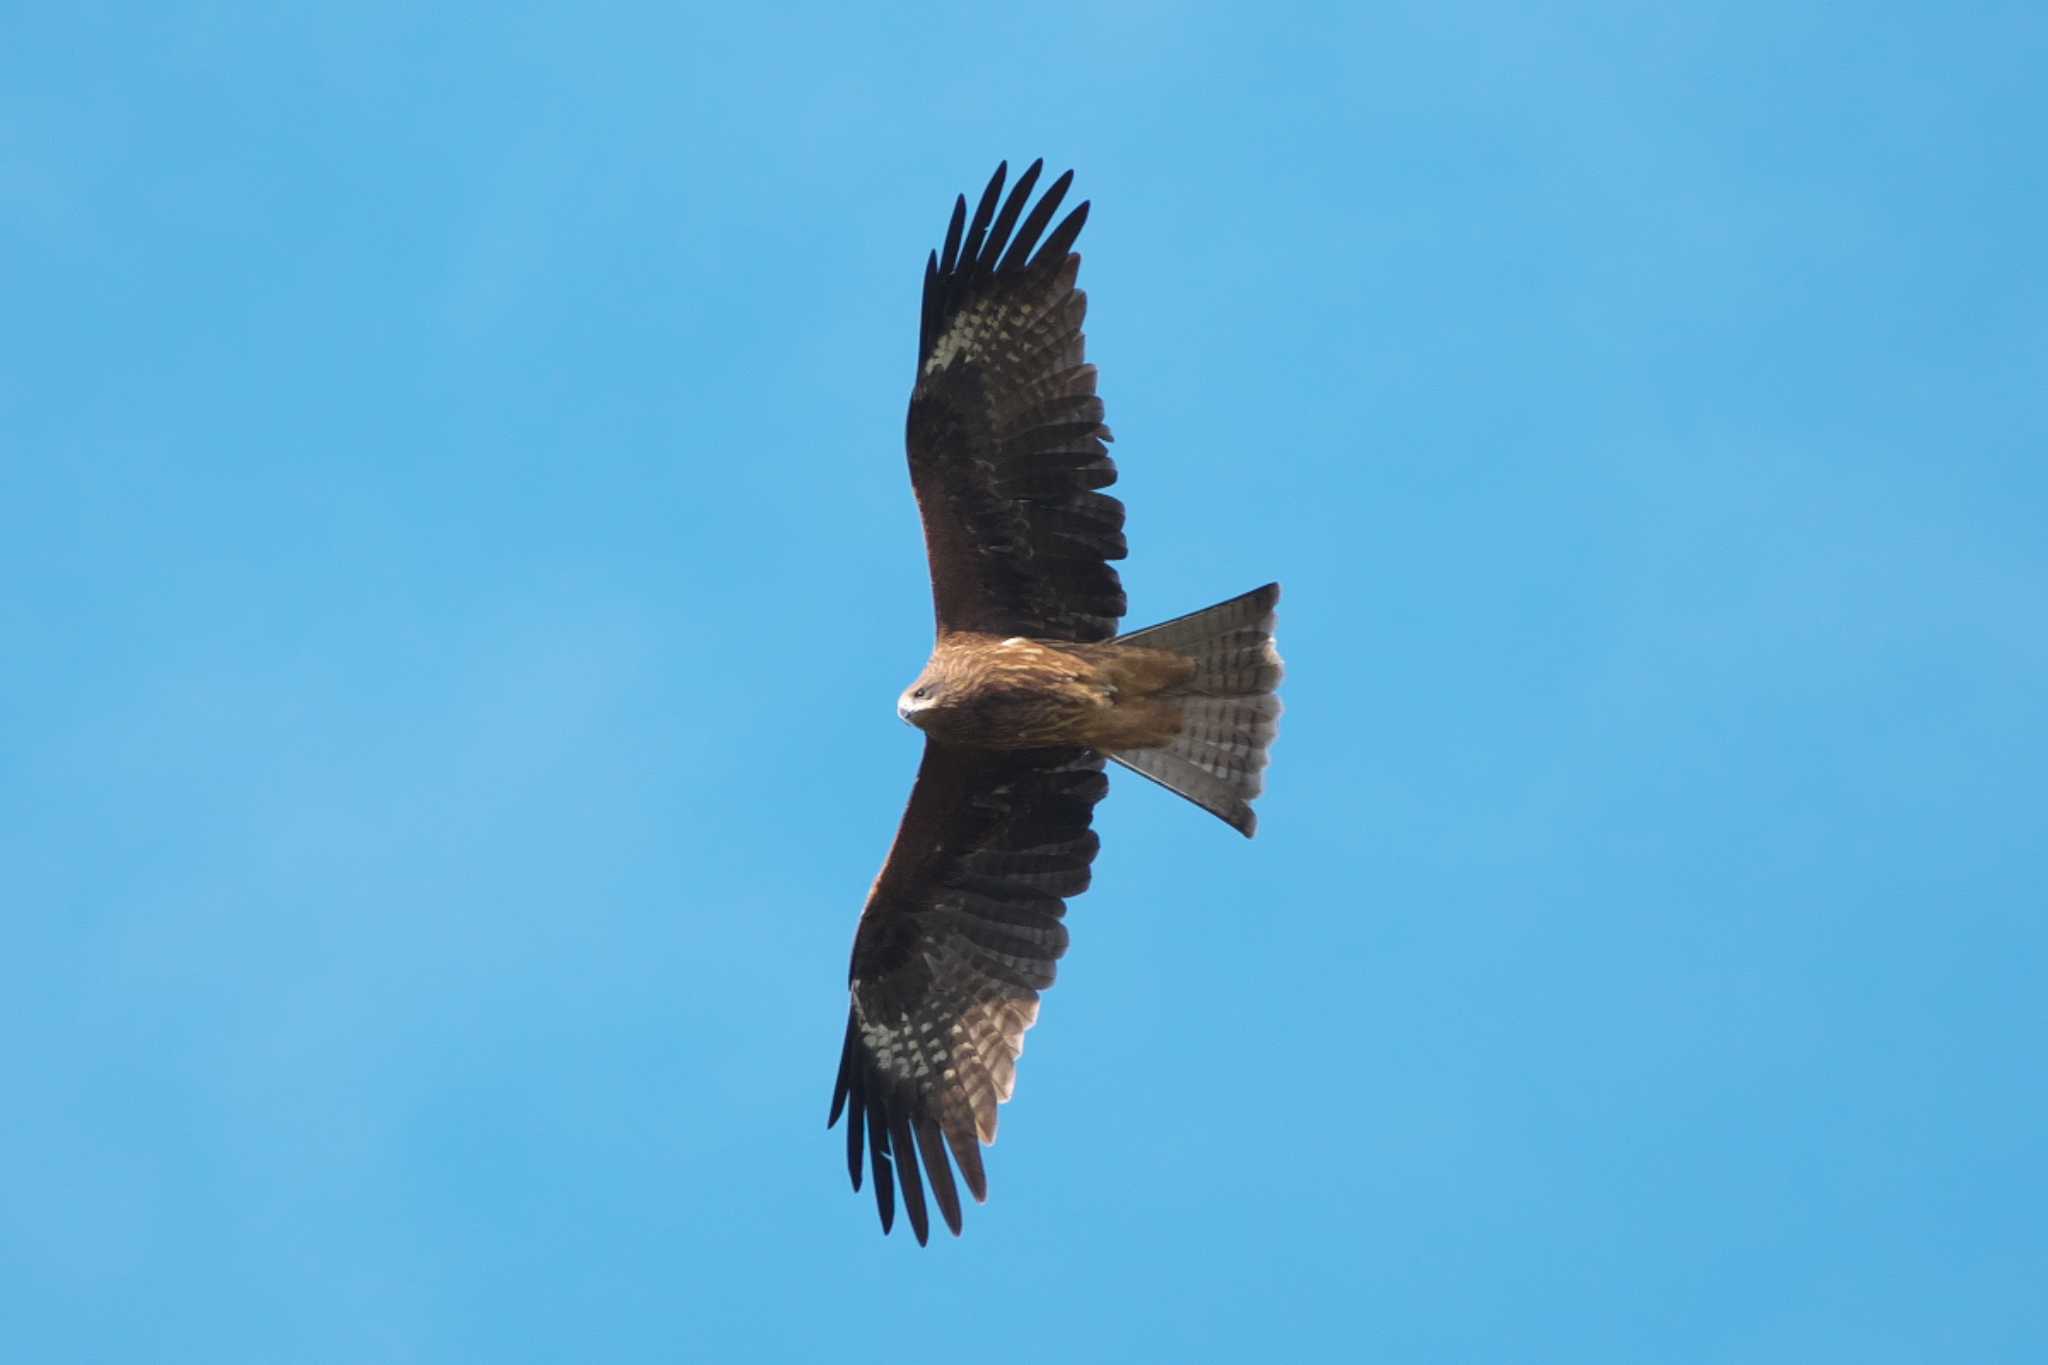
<point>961,932</point>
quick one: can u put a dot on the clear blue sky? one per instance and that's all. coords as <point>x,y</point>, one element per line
<point>456,571</point>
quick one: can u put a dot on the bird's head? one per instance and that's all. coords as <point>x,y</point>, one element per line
<point>918,699</point>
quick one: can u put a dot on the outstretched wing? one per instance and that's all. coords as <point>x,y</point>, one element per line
<point>1005,431</point>
<point>959,936</point>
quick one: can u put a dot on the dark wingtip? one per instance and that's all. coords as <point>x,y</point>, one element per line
<point>903,1153</point>
<point>932,1147</point>
<point>1019,254</point>
<point>842,1088</point>
<point>1061,244</point>
<point>966,1147</point>
<point>879,1164</point>
<point>984,215</point>
<point>949,257</point>
<point>982,241</point>
<point>1006,218</point>
<point>856,1135</point>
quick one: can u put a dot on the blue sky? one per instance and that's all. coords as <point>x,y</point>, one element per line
<point>456,570</point>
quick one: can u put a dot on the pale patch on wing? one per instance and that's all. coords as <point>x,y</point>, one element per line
<point>965,336</point>
<point>903,1048</point>
<point>952,344</point>
<point>966,1063</point>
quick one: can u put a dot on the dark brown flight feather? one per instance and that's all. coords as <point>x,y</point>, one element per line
<point>960,934</point>
<point>1005,432</point>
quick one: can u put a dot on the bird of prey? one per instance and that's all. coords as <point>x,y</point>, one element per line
<point>1028,690</point>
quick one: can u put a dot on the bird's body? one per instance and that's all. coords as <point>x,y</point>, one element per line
<point>1028,692</point>
<point>979,692</point>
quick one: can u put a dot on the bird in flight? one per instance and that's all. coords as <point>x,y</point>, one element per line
<point>1028,690</point>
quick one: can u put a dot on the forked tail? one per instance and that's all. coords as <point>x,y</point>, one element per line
<point>1230,712</point>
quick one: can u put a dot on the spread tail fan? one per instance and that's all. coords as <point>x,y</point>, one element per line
<point>1229,711</point>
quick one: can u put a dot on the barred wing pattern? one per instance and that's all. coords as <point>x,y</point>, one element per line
<point>1005,431</point>
<point>960,934</point>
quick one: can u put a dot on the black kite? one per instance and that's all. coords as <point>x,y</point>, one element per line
<point>1028,690</point>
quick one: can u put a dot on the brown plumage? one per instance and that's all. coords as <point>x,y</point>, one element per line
<point>1028,690</point>
<point>979,692</point>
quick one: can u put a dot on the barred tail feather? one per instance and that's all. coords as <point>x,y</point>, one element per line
<point>1229,709</point>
